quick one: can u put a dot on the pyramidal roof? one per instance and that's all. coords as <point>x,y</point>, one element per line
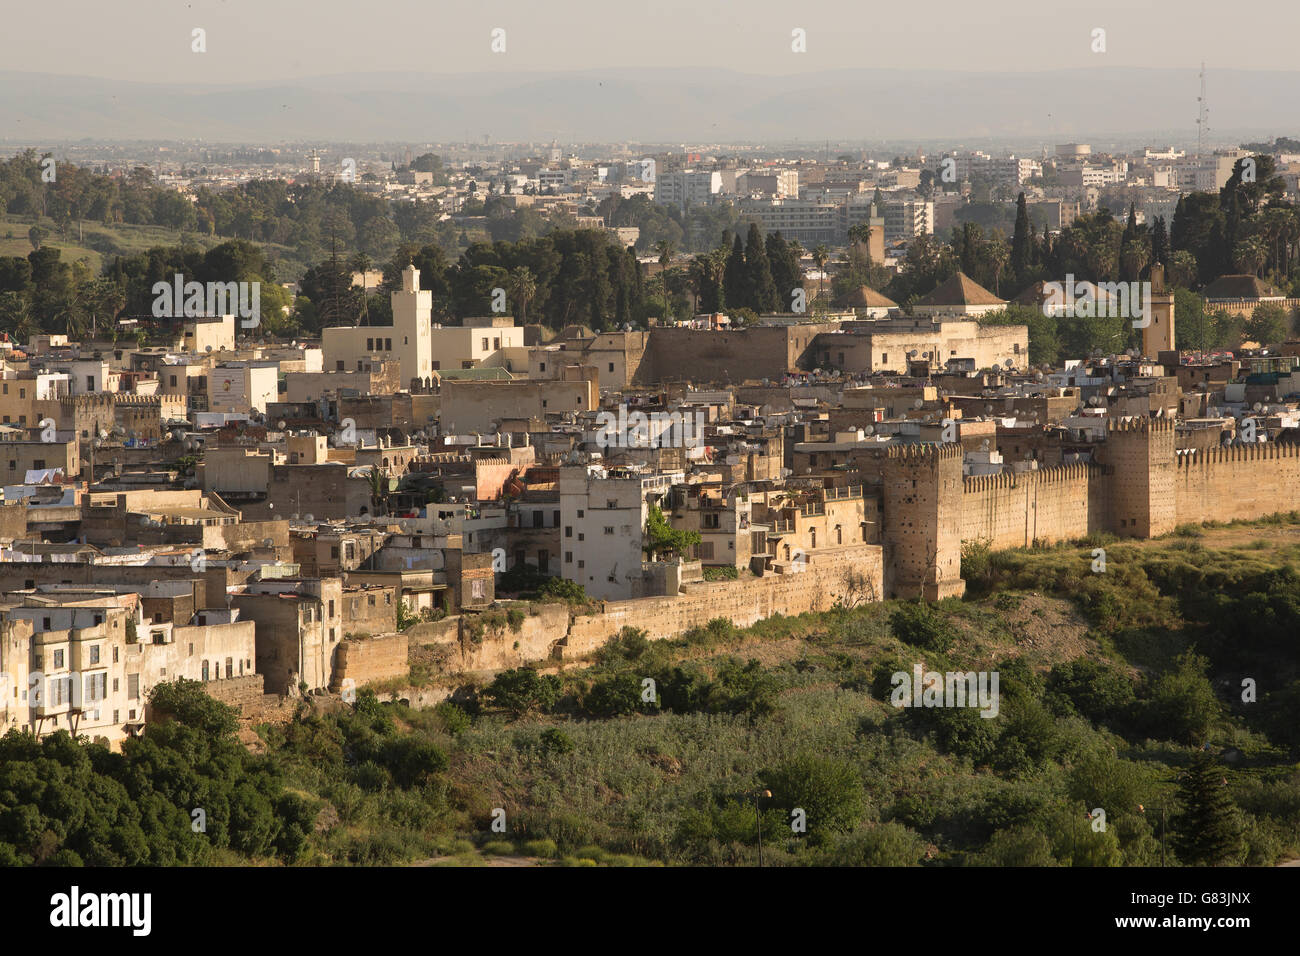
<point>864,297</point>
<point>961,290</point>
<point>1238,287</point>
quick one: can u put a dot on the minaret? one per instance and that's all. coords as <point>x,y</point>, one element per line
<point>1158,335</point>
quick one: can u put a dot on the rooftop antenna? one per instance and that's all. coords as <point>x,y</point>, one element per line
<point>1202,115</point>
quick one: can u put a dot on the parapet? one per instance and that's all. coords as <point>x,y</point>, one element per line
<point>1140,425</point>
<point>1248,451</point>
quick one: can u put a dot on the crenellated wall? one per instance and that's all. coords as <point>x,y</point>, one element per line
<point>1049,504</point>
<point>1241,481</point>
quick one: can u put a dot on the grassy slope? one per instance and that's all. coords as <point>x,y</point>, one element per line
<point>670,787</point>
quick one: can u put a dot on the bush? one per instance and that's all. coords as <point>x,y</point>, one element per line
<point>454,720</point>
<point>556,741</point>
<point>543,848</point>
<point>523,690</point>
<point>561,589</point>
<point>921,625</point>
<point>615,696</point>
<point>825,788</point>
<point>725,573</point>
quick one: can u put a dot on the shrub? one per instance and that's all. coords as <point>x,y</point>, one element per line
<point>725,573</point>
<point>454,720</point>
<point>826,788</point>
<point>919,624</point>
<point>543,848</point>
<point>556,741</point>
<point>614,696</point>
<point>523,690</point>
<point>570,592</point>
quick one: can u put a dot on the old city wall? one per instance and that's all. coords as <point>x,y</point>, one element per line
<point>1241,481</point>
<point>546,632</point>
<point>1049,504</point>
<point>370,660</point>
<point>750,354</point>
<point>744,602</point>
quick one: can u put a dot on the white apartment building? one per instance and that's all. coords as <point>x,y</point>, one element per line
<point>906,218</point>
<point>1014,171</point>
<point>807,220</point>
<point>243,387</point>
<point>687,188</point>
<point>602,522</point>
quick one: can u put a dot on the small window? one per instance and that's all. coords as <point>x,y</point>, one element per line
<point>94,654</point>
<point>58,659</point>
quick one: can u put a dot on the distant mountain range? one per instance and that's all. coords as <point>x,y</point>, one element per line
<point>658,105</point>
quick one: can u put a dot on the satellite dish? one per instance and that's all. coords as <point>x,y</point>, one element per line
<point>918,403</point>
<point>209,348</point>
<point>308,518</point>
<point>1258,407</point>
<point>988,408</point>
<point>268,542</point>
<point>270,506</point>
<point>280,426</point>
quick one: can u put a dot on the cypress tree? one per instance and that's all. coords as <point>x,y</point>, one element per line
<point>1208,831</point>
<point>735,280</point>
<point>1178,228</point>
<point>1160,242</point>
<point>778,261</point>
<point>1021,241</point>
<point>762,289</point>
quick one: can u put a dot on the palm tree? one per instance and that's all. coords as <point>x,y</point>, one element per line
<point>1250,255</point>
<point>378,488</point>
<point>70,309</point>
<point>362,263</point>
<point>522,287</point>
<point>821,255</point>
<point>16,315</point>
<point>665,250</point>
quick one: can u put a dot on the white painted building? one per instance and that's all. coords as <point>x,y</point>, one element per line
<point>602,523</point>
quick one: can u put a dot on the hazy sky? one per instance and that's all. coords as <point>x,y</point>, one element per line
<point>259,40</point>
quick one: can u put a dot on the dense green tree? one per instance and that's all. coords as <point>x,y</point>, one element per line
<point>758,271</point>
<point>1207,831</point>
